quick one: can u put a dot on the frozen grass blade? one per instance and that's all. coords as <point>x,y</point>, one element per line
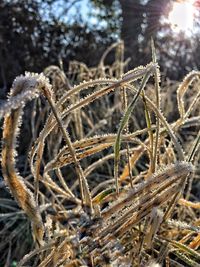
<point>124,121</point>
<point>12,123</point>
<point>157,88</point>
<point>194,148</point>
<point>149,123</point>
<point>85,193</point>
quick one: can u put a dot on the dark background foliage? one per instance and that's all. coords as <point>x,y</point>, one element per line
<point>35,34</point>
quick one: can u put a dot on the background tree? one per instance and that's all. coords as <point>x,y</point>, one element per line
<point>143,19</point>
<point>31,39</point>
<point>37,33</point>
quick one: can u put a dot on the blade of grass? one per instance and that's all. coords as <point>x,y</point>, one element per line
<point>157,87</point>
<point>85,193</point>
<point>149,123</point>
<point>123,123</point>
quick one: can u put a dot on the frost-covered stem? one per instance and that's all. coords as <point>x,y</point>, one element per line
<point>85,193</point>
<point>24,88</point>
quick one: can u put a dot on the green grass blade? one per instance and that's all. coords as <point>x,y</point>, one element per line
<point>150,132</point>
<point>157,87</point>
<point>123,123</point>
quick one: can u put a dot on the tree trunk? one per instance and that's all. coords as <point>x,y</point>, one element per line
<point>131,30</point>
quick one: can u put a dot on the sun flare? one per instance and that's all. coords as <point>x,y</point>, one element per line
<point>181,16</point>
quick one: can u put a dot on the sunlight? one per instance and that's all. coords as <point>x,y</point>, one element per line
<point>181,16</point>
